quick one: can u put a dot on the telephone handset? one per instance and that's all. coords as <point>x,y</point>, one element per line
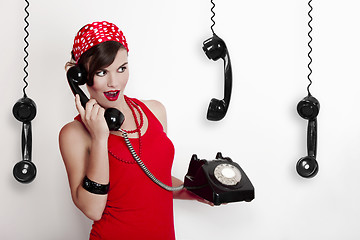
<point>24,110</point>
<point>214,49</point>
<point>76,76</point>
<point>308,108</point>
<point>218,181</point>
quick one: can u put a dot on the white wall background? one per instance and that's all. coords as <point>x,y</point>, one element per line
<point>267,41</point>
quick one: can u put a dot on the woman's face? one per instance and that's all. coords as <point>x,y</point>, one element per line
<point>110,82</point>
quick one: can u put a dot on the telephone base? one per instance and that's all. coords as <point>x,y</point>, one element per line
<point>218,181</point>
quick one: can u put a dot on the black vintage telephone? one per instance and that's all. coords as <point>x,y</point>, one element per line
<point>76,76</point>
<point>218,181</point>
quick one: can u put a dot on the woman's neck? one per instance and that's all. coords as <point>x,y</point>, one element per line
<point>122,105</point>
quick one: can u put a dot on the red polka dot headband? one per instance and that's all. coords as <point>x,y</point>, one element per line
<point>96,33</point>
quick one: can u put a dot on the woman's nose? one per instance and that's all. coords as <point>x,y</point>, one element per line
<point>111,81</point>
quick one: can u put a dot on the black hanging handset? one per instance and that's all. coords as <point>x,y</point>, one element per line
<point>215,48</point>
<point>76,76</point>
<point>24,110</point>
<point>308,108</point>
<point>218,181</point>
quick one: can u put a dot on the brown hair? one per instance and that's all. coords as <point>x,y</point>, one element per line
<point>98,57</point>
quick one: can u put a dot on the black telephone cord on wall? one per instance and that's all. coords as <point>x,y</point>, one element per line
<point>26,46</point>
<point>309,34</point>
<point>212,17</point>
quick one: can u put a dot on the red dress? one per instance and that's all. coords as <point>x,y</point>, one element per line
<point>136,207</point>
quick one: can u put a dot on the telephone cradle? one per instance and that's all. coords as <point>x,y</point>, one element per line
<point>218,181</point>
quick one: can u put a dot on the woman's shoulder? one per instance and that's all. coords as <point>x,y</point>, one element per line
<point>154,106</point>
<point>72,127</point>
<point>158,109</point>
<point>73,133</point>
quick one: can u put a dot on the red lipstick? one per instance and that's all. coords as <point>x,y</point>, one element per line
<point>112,95</point>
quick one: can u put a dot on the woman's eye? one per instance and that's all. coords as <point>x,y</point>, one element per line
<point>101,73</point>
<point>121,69</point>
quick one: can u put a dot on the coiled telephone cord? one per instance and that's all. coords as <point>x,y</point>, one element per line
<point>143,166</point>
<point>212,17</point>
<point>309,34</point>
<point>25,48</point>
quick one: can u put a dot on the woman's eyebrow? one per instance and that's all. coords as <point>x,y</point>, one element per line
<point>105,69</point>
<point>124,64</point>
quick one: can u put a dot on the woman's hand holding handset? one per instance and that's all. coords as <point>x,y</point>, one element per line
<point>96,164</point>
<point>93,118</point>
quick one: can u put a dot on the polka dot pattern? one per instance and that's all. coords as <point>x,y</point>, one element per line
<point>95,33</point>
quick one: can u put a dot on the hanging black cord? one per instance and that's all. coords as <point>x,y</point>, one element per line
<point>27,45</point>
<point>212,17</point>
<point>309,24</point>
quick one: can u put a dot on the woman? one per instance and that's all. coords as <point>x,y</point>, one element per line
<point>106,183</point>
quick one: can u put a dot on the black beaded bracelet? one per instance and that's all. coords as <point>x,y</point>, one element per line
<point>94,187</point>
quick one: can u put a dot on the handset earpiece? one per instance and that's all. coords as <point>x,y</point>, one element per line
<point>76,76</point>
<point>215,48</point>
<point>24,110</point>
<point>308,108</point>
